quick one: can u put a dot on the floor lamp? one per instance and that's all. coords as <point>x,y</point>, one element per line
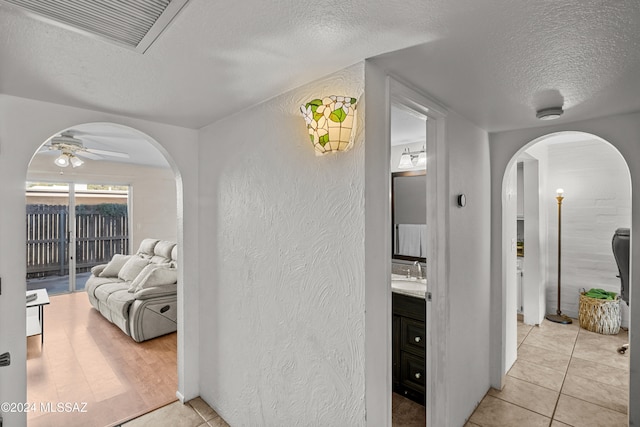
<point>559,317</point>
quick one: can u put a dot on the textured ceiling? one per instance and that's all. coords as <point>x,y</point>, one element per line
<point>499,64</point>
<point>493,61</point>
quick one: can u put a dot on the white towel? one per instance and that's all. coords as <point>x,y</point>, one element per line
<point>409,237</point>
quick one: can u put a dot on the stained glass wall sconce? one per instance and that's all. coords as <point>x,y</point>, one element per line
<point>330,122</point>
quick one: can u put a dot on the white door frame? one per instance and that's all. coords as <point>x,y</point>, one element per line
<point>437,253</point>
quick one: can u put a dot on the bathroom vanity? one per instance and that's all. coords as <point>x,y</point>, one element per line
<point>409,369</point>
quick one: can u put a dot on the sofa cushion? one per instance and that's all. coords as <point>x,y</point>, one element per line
<point>157,259</point>
<point>163,249</point>
<point>132,268</point>
<point>115,265</point>
<point>147,246</point>
<point>97,269</point>
<point>104,291</point>
<point>119,302</point>
<point>94,283</point>
<point>143,275</point>
<point>159,276</point>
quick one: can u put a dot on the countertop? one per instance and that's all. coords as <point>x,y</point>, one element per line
<point>408,286</point>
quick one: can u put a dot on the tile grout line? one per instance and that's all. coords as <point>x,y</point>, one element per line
<point>515,404</point>
<point>586,401</point>
<point>564,378</point>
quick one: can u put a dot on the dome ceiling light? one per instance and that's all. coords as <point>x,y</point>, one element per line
<point>549,113</point>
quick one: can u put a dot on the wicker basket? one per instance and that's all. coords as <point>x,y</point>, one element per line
<point>599,315</point>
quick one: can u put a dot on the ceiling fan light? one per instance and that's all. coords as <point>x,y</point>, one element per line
<point>62,160</point>
<point>75,161</point>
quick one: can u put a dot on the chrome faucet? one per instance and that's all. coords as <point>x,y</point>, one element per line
<point>417,264</point>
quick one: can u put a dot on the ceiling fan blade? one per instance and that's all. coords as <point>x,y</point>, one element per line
<point>107,153</point>
<point>88,155</point>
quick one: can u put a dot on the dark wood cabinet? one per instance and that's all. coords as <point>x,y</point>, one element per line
<point>409,339</point>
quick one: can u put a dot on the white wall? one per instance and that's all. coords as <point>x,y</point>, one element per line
<point>24,125</point>
<point>537,236</point>
<point>509,267</point>
<point>469,284</point>
<point>623,132</point>
<point>282,311</point>
<point>597,201</point>
<point>152,198</point>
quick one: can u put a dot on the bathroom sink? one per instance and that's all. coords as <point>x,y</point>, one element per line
<point>409,286</point>
<point>401,278</point>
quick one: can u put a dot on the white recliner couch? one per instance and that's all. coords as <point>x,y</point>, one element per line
<point>138,293</point>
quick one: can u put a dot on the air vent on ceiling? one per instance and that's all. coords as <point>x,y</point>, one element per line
<point>134,24</point>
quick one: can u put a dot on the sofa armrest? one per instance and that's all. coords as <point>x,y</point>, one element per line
<point>97,269</point>
<point>156,291</point>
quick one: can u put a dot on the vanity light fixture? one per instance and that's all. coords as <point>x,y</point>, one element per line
<point>412,159</point>
<point>405,160</point>
<point>549,113</point>
<point>330,122</point>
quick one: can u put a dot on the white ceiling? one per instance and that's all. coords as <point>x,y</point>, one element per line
<point>407,127</point>
<point>109,137</point>
<point>493,61</point>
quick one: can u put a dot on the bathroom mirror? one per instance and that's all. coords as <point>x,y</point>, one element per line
<point>408,215</point>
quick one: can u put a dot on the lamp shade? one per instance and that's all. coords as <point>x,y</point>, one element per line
<point>75,161</point>
<point>405,160</point>
<point>330,122</point>
<point>422,159</point>
<point>62,160</point>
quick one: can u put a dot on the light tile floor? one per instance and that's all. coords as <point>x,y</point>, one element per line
<point>195,413</point>
<point>564,376</point>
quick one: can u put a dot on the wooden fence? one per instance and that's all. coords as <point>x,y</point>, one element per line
<point>99,236</point>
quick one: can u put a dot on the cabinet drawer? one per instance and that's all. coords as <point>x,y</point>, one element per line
<point>413,372</point>
<point>407,306</point>
<point>412,336</point>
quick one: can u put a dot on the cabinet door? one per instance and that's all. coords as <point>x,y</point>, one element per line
<point>413,372</point>
<point>412,336</point>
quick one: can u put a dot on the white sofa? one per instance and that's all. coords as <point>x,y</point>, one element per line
<point>138,293</point>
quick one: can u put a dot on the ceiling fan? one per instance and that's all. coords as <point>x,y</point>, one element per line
<point>72,149</point>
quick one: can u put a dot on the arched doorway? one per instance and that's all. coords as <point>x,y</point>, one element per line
<point>114,156</point>
<point>597,176</point>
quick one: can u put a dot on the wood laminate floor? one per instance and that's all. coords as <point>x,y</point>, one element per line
<point>87,363</point>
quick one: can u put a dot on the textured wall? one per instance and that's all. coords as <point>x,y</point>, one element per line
<point>282,319</point>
